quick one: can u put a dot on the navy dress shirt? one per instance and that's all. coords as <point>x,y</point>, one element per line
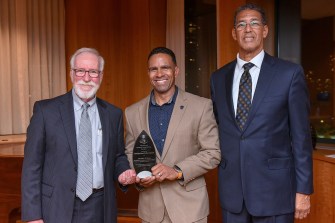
<point>159,118</point>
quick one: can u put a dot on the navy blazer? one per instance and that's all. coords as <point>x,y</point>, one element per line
<point>271,159</point>
<point>49,171</point>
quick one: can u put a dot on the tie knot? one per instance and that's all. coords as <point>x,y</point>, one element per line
<point>248,66</point>
<point>85,106</point>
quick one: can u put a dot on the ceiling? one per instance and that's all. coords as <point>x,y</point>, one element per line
<point>314,9</point>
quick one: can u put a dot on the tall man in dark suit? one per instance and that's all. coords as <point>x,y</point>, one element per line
<point>265,174</point>
<point>60,182</point>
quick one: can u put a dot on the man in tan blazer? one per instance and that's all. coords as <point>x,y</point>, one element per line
<point>185,134</point>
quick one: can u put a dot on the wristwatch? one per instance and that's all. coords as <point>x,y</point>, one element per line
<point>180,173</point>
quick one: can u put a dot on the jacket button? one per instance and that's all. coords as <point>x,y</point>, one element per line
<point>75,169</point>
<point>72,190</point>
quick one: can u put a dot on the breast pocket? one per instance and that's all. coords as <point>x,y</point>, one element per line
<point>99,141</point>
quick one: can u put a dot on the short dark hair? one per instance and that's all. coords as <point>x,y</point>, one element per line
<point>164,50</point>
<point>250,6</point>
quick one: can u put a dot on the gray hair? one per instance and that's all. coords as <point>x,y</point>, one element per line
<point>101,60</point>
<point>250,6</point>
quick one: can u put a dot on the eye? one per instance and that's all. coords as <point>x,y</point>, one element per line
<point>241,25</point>
<point>255,24</point>
<point>152,69</point>
<point>166,68</point>
<point>80,71</point>
<point>94,72</point>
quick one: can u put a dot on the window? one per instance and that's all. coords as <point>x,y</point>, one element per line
<point>306,35</point>
<point>317,59</point>
<point>200,45</point>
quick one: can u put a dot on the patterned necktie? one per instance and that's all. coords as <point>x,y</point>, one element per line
<point>85,164</point>
<point>244,96</point>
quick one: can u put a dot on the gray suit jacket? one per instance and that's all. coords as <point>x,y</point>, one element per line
<point>49,171</point>
<point>192,144</point>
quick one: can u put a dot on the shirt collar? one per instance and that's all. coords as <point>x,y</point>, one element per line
<point>78,103</point>
<point>172,99</point>
<point>257,60</point>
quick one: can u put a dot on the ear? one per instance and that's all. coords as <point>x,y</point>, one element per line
<point>233,33</point>
<point>72,75</point>
<point>176,71</point>
<point>101,76</point>
<point>265,31</point>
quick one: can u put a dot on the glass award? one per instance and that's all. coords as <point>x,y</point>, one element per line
<point>144,155</point>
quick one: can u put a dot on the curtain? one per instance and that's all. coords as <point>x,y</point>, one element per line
<point>32,58</point>
<point>175,36</point>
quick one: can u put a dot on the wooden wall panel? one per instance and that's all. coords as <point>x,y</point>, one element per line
<point>215,215</point>
<point>227,47</point>
<point>10,181</point>
<point>124,32</point>
<point>323,198</point>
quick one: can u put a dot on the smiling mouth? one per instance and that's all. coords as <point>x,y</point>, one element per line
<point>160,81</point>
<point>249,38</point>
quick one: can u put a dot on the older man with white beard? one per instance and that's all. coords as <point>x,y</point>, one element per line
<point>74,152</point>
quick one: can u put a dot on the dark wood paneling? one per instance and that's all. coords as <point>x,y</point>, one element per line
<point>227,47</point>
<point>11,157</point>
<point>323,199</point>
<point>124,32</point>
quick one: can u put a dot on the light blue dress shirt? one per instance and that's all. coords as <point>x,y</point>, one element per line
<point>98,179</point>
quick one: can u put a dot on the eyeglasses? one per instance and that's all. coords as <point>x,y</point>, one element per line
<point>81,72</point>
<point>254,24</point>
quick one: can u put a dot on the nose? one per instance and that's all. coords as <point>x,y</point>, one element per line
<point>87,76</point>
<point>247,27</point>
<point>160,72</point>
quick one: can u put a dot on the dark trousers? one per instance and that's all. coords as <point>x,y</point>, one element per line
<point>89,211</point>
<point>245,217</point>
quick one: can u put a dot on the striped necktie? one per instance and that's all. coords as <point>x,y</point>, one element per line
<point>85,163</point>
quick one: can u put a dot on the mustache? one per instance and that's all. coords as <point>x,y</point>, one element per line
<point>91,83</point>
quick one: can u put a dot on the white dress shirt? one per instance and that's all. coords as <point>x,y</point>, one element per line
<point>254,73</point>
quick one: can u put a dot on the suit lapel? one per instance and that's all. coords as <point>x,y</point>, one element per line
<point>143,112</point>
<point>105,120</point>
<point>263,84</point>
<point>67,114</point>
<point>176,117</point>
<point>229,91</point>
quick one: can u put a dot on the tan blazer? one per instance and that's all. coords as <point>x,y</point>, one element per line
<point>192,144</point>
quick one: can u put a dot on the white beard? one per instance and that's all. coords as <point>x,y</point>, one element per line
<point>86,94</point>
